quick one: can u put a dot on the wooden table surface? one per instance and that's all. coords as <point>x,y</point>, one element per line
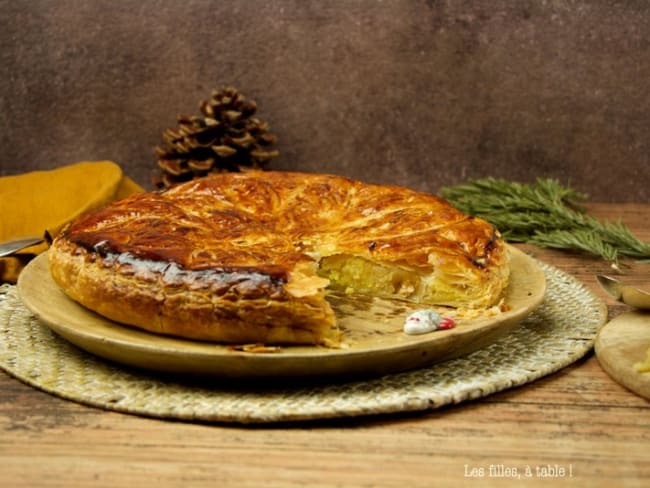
<point>576,427</point>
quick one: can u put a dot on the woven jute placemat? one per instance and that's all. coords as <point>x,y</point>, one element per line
<point>559,332</point>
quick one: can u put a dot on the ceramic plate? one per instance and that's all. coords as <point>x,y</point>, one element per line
<point>621,344</point>
<point>373,333</point>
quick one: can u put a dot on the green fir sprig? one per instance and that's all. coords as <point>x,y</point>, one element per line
<point>545,213</point>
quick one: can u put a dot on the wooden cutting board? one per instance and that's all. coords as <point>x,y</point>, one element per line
<point>620,344</point>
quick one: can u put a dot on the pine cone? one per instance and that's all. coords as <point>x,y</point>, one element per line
<point>226,138</point>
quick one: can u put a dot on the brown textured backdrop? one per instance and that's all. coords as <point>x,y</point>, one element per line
<point>420,93</point>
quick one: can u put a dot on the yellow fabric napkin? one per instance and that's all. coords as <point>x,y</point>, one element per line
<point>34,203</point>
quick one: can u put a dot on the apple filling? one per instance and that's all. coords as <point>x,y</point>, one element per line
<point>431,285</point>
<point>358,275</point>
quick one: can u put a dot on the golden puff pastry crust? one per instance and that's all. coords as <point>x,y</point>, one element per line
<point>248,257</point>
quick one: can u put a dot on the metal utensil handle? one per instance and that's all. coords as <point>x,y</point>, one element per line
<point>10,247</point>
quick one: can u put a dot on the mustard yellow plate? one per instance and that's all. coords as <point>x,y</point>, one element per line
<point>374,340</point>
